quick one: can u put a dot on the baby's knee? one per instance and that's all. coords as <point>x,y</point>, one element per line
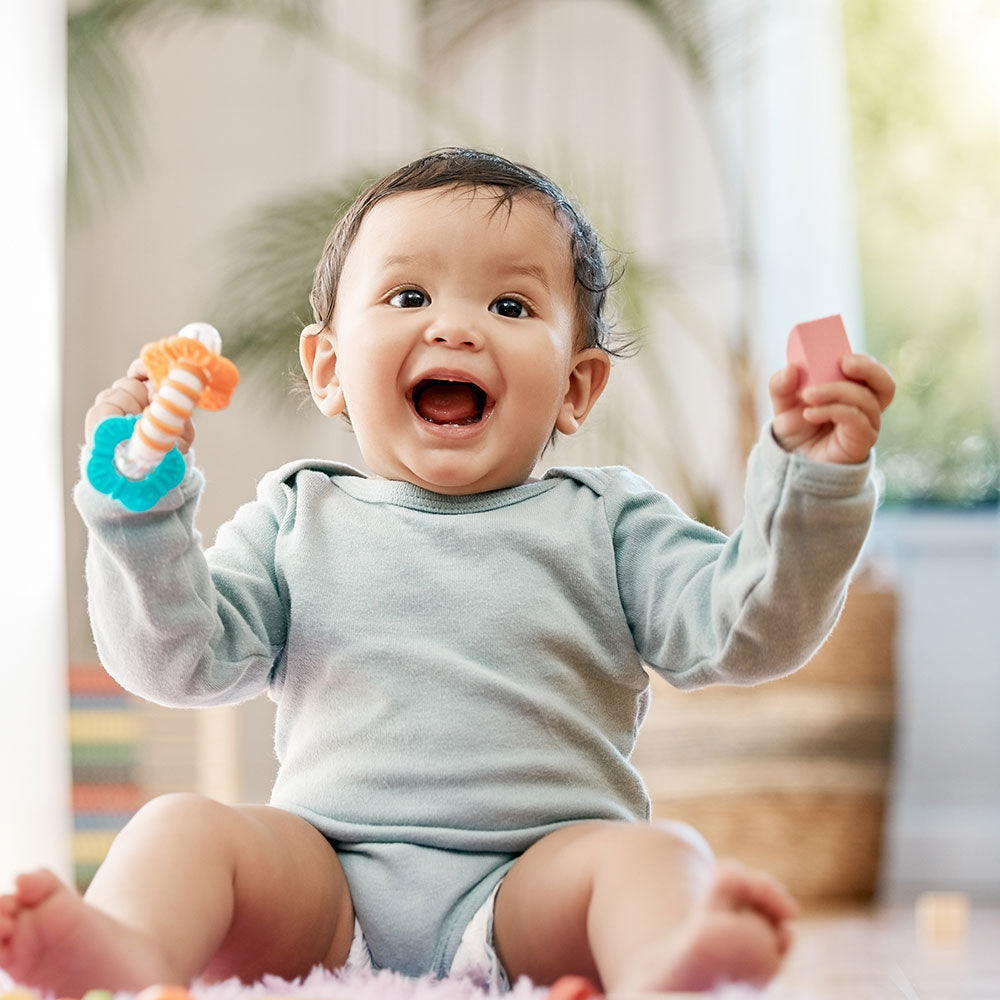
<point>685,839</point>
<point>181,813</point>
<point>664,842</point>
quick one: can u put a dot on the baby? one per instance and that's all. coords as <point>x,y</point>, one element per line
<point>458,651</point>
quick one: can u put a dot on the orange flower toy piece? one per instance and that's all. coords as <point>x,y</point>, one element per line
<point>135,459</point>
<point>574,988</point>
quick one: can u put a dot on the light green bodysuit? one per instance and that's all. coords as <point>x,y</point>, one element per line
<point>458,676</point>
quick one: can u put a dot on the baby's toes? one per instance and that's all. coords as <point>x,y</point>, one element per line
<point>737,887</point>
<point>35,887</point>
<point>9,908</point>
<point>771,898</point>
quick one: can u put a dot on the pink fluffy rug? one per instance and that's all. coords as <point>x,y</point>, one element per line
<point>324,985</point>
<point>359,985</point>
<point>321,984</point>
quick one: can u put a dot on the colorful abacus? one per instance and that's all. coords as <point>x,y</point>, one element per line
<point>135,459</point>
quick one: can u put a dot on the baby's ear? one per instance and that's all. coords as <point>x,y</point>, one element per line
<point>587,380</point>
<point>318,355</point>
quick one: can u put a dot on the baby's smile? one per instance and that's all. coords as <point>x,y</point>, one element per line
<point>450,401</point>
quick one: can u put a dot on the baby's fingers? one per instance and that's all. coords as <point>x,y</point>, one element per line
<point>125,397</point>
<point>853,432</point>
<point>865,369</point>
<point>138,370</point>
<point>834,402</point>
<point>844,415</point>
<point>186,438</point>
<point>783,387</point>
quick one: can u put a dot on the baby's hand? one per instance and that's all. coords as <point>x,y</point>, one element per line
<point>128,396</point>
<point>837,421</point>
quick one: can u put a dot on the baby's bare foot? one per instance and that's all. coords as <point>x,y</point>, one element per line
<point>739,934</point>
<point>52,940</point>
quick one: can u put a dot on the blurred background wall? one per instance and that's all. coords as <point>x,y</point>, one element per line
<point>720,144</point>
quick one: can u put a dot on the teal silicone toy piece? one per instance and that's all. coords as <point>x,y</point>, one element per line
<point>133,494</point>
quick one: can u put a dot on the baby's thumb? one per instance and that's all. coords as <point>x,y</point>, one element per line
<point>783,387</point>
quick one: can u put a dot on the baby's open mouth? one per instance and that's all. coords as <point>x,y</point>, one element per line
<point>442,401</point>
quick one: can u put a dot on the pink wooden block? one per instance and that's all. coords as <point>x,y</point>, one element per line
<point>817,347</point>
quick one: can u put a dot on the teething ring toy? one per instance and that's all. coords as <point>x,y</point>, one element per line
<point>216,375</point>
<point>136,459</point>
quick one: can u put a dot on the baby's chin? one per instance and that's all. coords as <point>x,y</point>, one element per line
<point>459,487</point>
<point>454,479</point>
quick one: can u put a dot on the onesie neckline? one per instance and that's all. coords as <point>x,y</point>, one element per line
<point>399,493</point>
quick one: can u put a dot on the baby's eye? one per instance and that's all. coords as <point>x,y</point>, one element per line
<point>510,308</point>
<point>409,298</point>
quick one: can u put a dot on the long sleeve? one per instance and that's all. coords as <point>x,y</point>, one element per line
<point>170,627</point>
<point>458,676</point>
<point>704,608</point>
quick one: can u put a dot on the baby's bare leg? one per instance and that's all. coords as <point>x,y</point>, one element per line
<point>190,888</point>
<point>639,909</point>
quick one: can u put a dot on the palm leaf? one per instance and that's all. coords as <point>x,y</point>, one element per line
<point>104,141</point>
<point>292,15</point>
<point>263,294</point>
<point>449,24</point>
<point>105,135</point>
<point>683,25</point>
<point>102,17</point>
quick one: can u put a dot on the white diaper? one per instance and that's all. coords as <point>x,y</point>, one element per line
<point>476,958</point>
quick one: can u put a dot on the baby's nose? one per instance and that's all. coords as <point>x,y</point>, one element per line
<point>454,331</point>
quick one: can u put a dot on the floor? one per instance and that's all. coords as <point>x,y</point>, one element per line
<point>875,955</point>
<point>881,955</point>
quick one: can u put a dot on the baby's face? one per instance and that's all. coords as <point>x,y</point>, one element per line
<point>453,341</point>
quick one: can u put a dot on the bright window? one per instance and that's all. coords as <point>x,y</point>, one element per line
<point>925,105</point>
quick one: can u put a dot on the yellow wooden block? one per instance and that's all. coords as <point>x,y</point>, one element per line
<point>942,918</point>
<point>104,727</point>
<point>91,846</point>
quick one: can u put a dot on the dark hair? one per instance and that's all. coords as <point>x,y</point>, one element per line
<point>474,168</point>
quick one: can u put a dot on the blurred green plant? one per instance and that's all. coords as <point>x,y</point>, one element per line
<point>105,136</point>
<point>683,25</point>
<point>926,147</point>
<point>271,253</point>
<point>269,260</point>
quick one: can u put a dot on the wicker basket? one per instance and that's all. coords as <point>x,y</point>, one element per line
<point>791,776</point>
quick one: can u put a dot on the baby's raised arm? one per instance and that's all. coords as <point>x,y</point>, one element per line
<point>169,625</point>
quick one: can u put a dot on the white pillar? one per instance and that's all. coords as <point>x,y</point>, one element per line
<point>801,175</point>
<point>34,762</point>
<point>781,103</point>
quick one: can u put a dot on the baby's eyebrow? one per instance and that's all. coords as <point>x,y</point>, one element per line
<point>512,269</point>
<point>535,271</point>
<point>403,260</point>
